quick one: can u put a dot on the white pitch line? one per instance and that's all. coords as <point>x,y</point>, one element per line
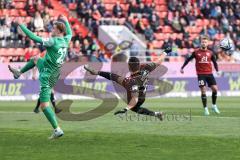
<point>7,112</point>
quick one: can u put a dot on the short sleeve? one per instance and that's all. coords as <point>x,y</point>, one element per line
<point>48,42</point>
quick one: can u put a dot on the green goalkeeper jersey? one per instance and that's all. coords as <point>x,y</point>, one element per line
<point>56,47</point>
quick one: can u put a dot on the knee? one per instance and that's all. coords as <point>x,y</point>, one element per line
<point>215,89</point>
<point>203,91</point>
<point>44,105</point>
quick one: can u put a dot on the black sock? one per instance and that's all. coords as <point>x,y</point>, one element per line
<point>214,97</point>
<point>38,104</point>
<point>144,111</point>
<point>53,100</point>
<point>204,100</point>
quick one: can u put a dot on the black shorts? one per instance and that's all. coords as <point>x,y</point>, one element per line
<point>204,79</point>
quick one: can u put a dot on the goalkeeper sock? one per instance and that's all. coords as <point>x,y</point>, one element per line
<point>214,97</point>
<point>48,112</point>
<point>204,100</point>
<point>30,64</point>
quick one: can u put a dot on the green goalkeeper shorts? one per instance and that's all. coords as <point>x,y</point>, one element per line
<point>47,78</point>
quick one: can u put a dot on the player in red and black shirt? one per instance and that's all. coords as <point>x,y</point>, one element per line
<point>204,59</point>
<point>135,84</point>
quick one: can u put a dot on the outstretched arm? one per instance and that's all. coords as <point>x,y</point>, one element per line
<point>111,76</point>
<point>30,34</point>
<point>151,66</point>
<point>187,61</point>
<point>68,27</point>
<point>107,75</point>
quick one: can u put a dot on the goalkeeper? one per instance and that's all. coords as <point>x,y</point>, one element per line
<point>48,66</point>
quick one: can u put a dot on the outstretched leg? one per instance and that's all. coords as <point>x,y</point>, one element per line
<point>29,65</point>
<point>144,111</point>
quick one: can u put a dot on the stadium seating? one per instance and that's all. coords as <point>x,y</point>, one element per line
<point>18,12</point>
<point>164,32</point>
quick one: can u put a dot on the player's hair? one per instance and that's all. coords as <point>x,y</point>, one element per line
<point>204,37</point>
<point>133,64</point>
<point>60,26</point>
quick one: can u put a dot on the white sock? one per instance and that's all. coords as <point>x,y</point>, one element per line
<point>57,129</point>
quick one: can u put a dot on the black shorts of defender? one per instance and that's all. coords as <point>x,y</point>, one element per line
<point>206,79</point>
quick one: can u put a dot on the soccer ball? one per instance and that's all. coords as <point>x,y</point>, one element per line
<point>226,44</point>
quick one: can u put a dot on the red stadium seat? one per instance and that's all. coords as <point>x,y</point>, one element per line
<point>3,51</point>
<point>14,13</point>
<point>160,2</point>
<point>183,51</point>
<point>148,1</point>
<point>5,12</point>
<point>20,5</point>
<point>28,19</point>
<point>219,36</point>
<point>134,21</point>
<point>161,8</point>
<point>20,0</point>
<point>167,29</point>
<point>193,36</point>
<point>174,36</point>
<point>23,13</point>
<point>10,52</point>
<point>206,22</point>
<point>159,36</point>
<point>157,44</point>
<point>36,51</point>
<point>20,19</point>
<point>72,6</point>
<point>109,7</point>
<point>20,51</point>
<point>199,22</point>
<point>110,1</point>
<point>180,36</point>
<point>162,14</point>
<point>125,7</point>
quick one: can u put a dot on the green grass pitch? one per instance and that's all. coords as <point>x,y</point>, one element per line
<point>23,134</point>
